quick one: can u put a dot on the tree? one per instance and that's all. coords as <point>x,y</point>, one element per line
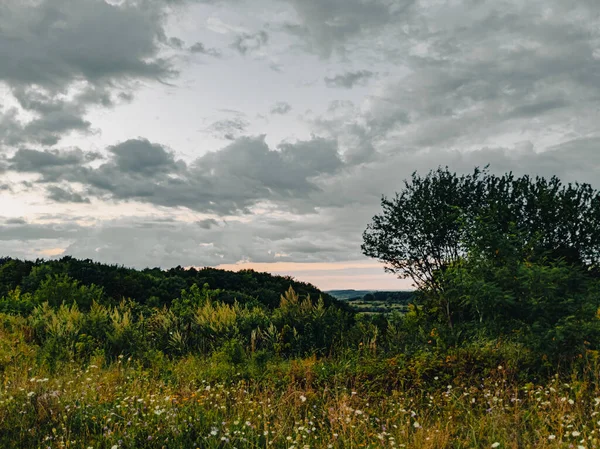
<point>421,230</point>
<point>436,219</point>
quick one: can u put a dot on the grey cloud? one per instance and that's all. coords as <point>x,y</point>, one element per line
<point>346,200</point>
<point>175,42</point>
<point>52,43</point>
<point>349,79</point>
<point>345,124</point>
<point>59,57</point>
<point>61,195</point>
<point>207,223</point>
<point>27,160</point>
<point>28,231</point>
<point>141,156</point>
<point>229,128</point>
<point>231,180</point>
<point>328,25</point>
<point>363,185</point>
<point>248,170</point>
<point>281,108</point>
<point>15,221</point>
<point>186,244</point>
<point>249,42</point>
<point>477,75</point>
<point>199,48</point>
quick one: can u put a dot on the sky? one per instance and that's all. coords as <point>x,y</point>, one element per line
<point>263,133</point>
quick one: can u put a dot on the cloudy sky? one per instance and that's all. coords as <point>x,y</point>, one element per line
<point>262,133</point>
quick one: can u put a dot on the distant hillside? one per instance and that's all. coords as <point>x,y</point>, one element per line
<point>347,294</point>
<point>372,295</point>
<point>154,286</point>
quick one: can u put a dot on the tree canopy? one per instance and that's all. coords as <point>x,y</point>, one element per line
<point>66,278</point>
<point>437,218</point>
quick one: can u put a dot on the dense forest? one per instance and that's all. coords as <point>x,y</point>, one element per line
<point>150,287</point>
<point>499,344</point>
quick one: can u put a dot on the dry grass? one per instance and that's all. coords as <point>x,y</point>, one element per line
<point>288,407</point>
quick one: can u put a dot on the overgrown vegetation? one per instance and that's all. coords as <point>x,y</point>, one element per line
<point>498,347</point>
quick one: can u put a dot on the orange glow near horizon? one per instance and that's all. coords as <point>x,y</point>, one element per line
<point>355,274</point>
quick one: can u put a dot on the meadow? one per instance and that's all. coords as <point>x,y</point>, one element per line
<point>359,401</point>
<point>62,387</point>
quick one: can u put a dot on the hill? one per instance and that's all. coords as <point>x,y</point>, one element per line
<point>154,286</point>
<point>347,294</point>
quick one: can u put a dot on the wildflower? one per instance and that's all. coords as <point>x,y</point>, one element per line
<point>416,425</point>
<point>575,433</point>
<point>303,398</point>
<point>551,437</point>
<point>496,444</point>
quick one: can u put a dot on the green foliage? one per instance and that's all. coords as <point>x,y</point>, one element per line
<point>548,305</point>
<point>61,289</point>
<point>153,287</point>
<point>495,258</point>
<point>432,222</point>
<point>17,303</point>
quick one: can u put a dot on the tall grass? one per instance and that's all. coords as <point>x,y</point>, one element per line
<point>355,400</point>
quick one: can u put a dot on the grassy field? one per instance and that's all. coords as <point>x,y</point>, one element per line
<point>362,400</point>
<point>201,372</point>
<point>360,305</point>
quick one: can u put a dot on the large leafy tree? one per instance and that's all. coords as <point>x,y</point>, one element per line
<point>437,219</point>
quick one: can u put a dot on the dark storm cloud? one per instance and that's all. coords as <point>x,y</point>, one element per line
<point>349,79</point>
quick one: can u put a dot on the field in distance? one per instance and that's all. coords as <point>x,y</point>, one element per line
<point>368,301</point>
